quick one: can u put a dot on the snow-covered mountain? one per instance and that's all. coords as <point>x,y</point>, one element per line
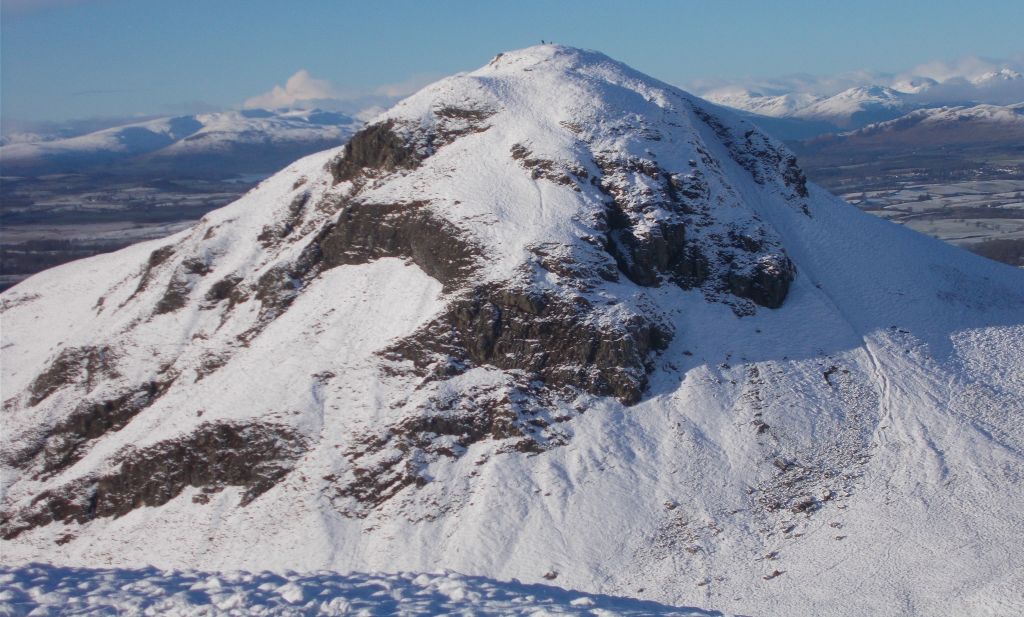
<point>874,98</point>
<point>852,107</point>
<point>772,106</point>
<point>856,106</point>
<point>251,140</point>
<point>941,127</point>
<point>553,320</point>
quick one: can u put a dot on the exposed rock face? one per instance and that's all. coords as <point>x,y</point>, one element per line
<point>364,232</point>
<point>554,171</point>
<point>681,244</point>
<point>91,419</point>
<point>376,147</point>
<point>73,365</point>
<point>390,145</point>
<point>253,456</point>
<point>517,412</point>
<point>767,283</point>
<point>156,259</point>
<point>756,153</point>
<point>562,343</point>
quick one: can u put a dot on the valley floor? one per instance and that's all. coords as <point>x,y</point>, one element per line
<point>50,220</point>
<point>983,216</point>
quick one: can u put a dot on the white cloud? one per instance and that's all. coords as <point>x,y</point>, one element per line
<point>302,90</point>
<point>300,87</point>
<point>968,68</point>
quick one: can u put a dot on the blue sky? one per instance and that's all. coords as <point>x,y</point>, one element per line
<point>63,59</point>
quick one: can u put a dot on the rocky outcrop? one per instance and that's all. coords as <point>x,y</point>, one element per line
<point>254,456</point>
<point>273,234</point>
<point>377,147</point>
<point>156,259</point>
<point>756,153</point>
<point>523,414</point>
<point>91,419</point>
<point>389,145</point>
<point>83,366</point>
<point>766,283</point>
<point>561,341</point>
<point>668,234</point>
<point>364,232</point>
<point>555,171</point>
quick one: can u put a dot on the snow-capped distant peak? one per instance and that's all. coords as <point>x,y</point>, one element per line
<point>873,97</point>
<point>857,105</point>
<point>775,106</point>
<point>869,93</point>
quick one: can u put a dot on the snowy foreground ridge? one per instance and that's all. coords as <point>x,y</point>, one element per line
<point>47,590</point>
<point>551,320</point>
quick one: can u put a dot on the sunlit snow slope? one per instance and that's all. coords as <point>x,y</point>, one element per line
<point>548,318</point>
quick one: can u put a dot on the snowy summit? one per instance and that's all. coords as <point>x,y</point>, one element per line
<point>551,320</point>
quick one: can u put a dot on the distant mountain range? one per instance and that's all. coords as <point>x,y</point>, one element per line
<point>807,114</point>
<point>940,127</point>
<point>848,108</point>
<point>219,144</point>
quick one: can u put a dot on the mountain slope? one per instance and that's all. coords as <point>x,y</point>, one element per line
<point>252,141</point>
<point>548,319</point>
